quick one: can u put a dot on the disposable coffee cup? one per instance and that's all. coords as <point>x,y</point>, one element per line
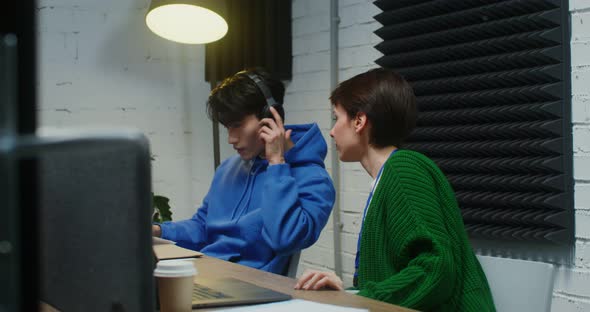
<point>175,284</point>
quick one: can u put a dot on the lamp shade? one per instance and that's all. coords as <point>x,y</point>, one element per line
<point>187,21</point>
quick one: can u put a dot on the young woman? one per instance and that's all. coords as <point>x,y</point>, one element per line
<point>413,250</point>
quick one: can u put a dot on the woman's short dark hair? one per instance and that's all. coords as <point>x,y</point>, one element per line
<point>386,98</point>
<point>238,96</point>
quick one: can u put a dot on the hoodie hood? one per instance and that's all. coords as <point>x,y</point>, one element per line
<point>310,146</point>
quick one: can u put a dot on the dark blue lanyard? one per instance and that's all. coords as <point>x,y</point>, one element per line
<point>358,244</point>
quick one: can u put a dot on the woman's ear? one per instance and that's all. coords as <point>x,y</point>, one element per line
<point>360,122</point>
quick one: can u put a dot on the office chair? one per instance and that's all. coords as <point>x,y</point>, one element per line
<point>519,285</point>
<point>293,264</point>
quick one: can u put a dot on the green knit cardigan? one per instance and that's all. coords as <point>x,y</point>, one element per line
<point>414,249</point>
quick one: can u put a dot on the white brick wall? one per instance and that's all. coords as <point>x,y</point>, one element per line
<point>307,100</point>
<point>100,66</point>
<point>572,285</point>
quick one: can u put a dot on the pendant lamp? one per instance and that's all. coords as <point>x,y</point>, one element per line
<point>187,21</point>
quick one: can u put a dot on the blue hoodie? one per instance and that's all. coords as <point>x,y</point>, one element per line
<point>258,215</point>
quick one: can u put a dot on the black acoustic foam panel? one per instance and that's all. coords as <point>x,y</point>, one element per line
<point>492,80</point>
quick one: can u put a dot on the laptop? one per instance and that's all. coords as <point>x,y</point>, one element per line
<point>216,292</point>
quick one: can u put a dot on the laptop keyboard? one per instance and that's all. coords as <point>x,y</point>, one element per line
<point>201,292</point>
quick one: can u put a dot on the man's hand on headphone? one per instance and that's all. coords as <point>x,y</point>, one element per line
<point>277,141</point>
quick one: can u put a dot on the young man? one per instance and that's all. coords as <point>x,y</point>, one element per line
<point>275,196</point>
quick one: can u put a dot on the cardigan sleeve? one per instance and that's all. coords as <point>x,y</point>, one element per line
<point>427,269</point>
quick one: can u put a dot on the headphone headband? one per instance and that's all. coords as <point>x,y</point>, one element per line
<point>270,100</point>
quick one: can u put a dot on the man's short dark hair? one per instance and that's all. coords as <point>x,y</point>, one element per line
<point>238,96</point>
<point>386,98</point>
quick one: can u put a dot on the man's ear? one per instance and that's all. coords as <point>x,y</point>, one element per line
<point>360,122</point>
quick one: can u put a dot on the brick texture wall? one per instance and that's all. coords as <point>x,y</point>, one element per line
<point>100,66</point>
<point>572,286</point>
<point>307,100</point>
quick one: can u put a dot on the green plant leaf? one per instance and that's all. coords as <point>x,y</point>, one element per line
<point>162,208</point>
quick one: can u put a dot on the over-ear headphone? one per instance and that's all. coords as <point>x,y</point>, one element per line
<point>270,100</point>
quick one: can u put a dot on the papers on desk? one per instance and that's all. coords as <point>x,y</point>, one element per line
<point>160,241</point>
<point>166,249</point>
<point>295,305</point>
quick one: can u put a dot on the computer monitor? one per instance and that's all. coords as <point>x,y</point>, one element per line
<point>18,235</point>
<point>76,209</point>
<point>95,212</point>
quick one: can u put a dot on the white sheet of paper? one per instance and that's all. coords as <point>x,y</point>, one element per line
<point>161,241</point>
<point>295,305</point>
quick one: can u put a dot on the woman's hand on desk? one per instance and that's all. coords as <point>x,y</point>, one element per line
<point>315,280</point>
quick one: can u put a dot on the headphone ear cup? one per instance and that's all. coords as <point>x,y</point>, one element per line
<point>278,107</point>
<point>266,113</point>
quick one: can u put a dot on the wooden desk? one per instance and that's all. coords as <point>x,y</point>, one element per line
<point>212,267</point>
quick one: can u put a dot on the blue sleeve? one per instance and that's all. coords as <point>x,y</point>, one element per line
<point>191,233</point>
<point>295,208</point>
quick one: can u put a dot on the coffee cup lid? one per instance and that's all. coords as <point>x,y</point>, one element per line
<point>174,268</point>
